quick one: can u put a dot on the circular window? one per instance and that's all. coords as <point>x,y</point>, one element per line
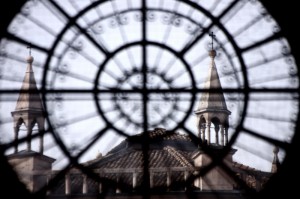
<point>108,70</point>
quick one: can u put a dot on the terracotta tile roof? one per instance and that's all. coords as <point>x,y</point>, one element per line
<point>167,135</point>
<point>165,148</point>
<point>134,159</point>
<point>167,152</point>
<point>241,168</point>
<point>180,157</point>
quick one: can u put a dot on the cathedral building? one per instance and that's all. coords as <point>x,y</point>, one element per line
<point>171,165</point>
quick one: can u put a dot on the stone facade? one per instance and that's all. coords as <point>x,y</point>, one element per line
<point>31,167</point>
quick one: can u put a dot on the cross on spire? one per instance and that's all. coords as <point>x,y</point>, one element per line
<point>29,47</point>
<point>212,35</point>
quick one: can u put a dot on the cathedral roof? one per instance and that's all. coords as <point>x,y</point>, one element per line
<point>165,148</point>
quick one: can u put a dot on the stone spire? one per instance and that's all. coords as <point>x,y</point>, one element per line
<point>212,107</point>
<point>29,108</point>
<point>275,162</point>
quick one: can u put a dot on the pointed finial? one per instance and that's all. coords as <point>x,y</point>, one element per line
<point>212,52</point>
<point>212,35</point>
<point>29,47</point>
<point>30,58</point>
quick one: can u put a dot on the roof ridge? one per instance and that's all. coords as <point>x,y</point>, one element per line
<point>167,135</point>
<point>108,157</point>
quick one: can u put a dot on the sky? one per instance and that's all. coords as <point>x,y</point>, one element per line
<point>78,63</point>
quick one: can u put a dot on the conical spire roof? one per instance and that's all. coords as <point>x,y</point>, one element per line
<point>29,98</point>
<point>212,101</point>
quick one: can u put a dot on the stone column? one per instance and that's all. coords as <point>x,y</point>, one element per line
<point>41,131</point>
<point>29,134</point>
<point>222,135</point>
<point>100,187</point>
<point>151,179</point>
<point>118,190</point>
<point>67,184</point>
<point>16,131</point>
<point>134,180</point>
<point>199,131</point>
<point>41,144</point>
<point>208,132</point>
<point>217,129</point>
<point>84,184</point>
<point>203,134</point>
<point>40,122</point>
<point>47,181</point>
<point>226,135</point>
<point>168,179</point>
<point>185,179</point>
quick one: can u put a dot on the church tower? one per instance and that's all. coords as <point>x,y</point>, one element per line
<point>212,112</point>
<point>29,109</point>
<point>30,112</point>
